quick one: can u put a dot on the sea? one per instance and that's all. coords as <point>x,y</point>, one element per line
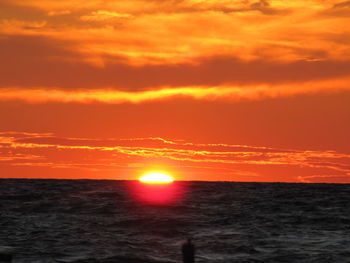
<point>109,221</point>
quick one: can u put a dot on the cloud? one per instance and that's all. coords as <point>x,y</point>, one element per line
<point>45,150</point>
<point>326,178</point>
<point>180,54</point>
<point>102,15</point>
<point>43,62</point>
<point>185,31</point>
<point>223,92</point>
<point>58,13</point>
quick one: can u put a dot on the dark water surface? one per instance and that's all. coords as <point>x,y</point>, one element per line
<point>98,221</point>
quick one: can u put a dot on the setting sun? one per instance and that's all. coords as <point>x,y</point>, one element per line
<point>156,178</point>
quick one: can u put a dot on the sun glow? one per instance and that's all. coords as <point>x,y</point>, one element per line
<point>156,178</point>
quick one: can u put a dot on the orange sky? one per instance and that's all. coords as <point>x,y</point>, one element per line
<point>205,90</point>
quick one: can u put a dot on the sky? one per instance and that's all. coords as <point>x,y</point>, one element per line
<point>214,90</point>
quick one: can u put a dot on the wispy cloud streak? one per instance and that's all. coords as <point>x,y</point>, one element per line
<point>224,92</point>
<point>27,149</point>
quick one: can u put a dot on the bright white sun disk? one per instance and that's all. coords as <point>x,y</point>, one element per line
<point>156,178</point>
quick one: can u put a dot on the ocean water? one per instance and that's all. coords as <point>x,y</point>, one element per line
<point>119,221</point>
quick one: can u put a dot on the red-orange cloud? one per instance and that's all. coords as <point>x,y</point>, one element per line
<point>224,92</point>
<point>40,150</point>
<point>168,32</point>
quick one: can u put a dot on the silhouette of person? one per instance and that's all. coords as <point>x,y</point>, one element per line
<point>188,251</point>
